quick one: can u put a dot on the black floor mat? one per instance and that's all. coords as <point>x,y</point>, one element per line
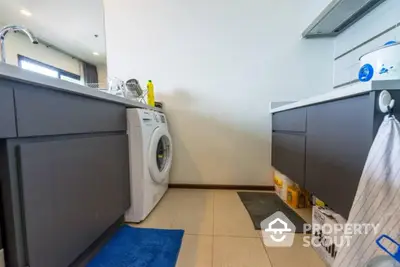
<point>261,205</point>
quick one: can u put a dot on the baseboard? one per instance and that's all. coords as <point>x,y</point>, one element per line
<point>224,187</point>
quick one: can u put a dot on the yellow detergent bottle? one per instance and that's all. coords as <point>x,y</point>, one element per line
<point>150,94</point>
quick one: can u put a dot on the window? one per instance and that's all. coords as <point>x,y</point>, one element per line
<point>70,79</point>
<point>39,67</point>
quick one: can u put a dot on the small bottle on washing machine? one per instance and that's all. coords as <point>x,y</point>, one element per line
<point>150,94</point>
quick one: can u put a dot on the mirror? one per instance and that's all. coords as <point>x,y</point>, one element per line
<point>70,34</point>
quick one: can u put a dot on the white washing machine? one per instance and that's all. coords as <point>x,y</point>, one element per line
<point>150,156</point>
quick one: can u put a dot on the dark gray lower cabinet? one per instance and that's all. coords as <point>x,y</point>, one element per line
<point>293,120</point>
<point>72,190</point>
<point>64,174</point>
<point>43,112</point>
<point>329,157</point>
<point>288,155</point>
<point>339,136</point>
<point>7,111</point>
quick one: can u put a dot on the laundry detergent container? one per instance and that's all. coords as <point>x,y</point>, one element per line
<point>382,63</point>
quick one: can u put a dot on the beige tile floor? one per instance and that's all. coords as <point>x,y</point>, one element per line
<point>219,232</point>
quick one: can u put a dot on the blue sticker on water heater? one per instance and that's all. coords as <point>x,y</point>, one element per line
<point>366,73</point>
<point>395,255</point>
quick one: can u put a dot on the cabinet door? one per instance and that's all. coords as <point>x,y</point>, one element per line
<point>288,155</point>
<point>72,191</point>
<point>293,120</point>
<point>45,112</point>
<point>7,114</point>
<point>339,136</point>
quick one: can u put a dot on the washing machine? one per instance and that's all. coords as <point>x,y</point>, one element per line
<point>150,156</point>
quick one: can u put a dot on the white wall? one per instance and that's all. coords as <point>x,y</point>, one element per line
<point>19,44</point>
<point>379,20</point>
<point>217,65</point>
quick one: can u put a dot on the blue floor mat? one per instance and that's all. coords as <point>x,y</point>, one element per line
<point>140,247</point>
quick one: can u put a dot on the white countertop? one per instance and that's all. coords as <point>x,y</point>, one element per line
<point>17,74</point>
<point>344,92</point>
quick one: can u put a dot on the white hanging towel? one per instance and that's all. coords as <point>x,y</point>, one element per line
<point>377,200</point>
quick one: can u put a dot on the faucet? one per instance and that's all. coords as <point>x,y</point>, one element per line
<point>15,28</point>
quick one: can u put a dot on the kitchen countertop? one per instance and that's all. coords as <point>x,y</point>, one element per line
<point>17,74</point>
<point>345,92</point>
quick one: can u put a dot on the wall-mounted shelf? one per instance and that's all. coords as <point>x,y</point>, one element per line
<point>338,16</point>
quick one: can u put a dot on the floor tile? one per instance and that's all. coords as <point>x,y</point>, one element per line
<point>196,251</point>
<point>297,255</point>
<point>239,252</point>
<point>231,217</point>
<point>191,210</point>
<point>204,213</point>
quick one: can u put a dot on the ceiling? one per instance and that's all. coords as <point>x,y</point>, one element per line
<point>69,26</point>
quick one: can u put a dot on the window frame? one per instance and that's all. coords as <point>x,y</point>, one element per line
<point>59,71</point>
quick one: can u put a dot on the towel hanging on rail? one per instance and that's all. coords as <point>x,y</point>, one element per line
<point>377,200</point>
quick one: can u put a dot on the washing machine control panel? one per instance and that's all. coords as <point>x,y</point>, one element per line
<point>156,117</point>
<point>159,117</point>
<point>162,117</point>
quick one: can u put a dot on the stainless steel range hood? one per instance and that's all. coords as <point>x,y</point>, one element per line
<point>338,16</point>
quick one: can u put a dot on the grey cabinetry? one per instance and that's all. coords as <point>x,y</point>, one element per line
<point>43,112</point>
<point>64,172</point>
<point>7,115</point>
<point>292,120</point>
<point>288,143</point>
<point>288,155</point>
<point>339,135</point>
<point>335,138</point>
<point>55,175</point>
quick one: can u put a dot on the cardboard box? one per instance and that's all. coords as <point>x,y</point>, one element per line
<point>281,183</point>
<point>326,244</point>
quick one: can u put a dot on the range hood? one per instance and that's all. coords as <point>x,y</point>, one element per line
<point>338,16</point>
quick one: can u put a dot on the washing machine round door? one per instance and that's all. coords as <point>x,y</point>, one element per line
<point>160,155</point>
